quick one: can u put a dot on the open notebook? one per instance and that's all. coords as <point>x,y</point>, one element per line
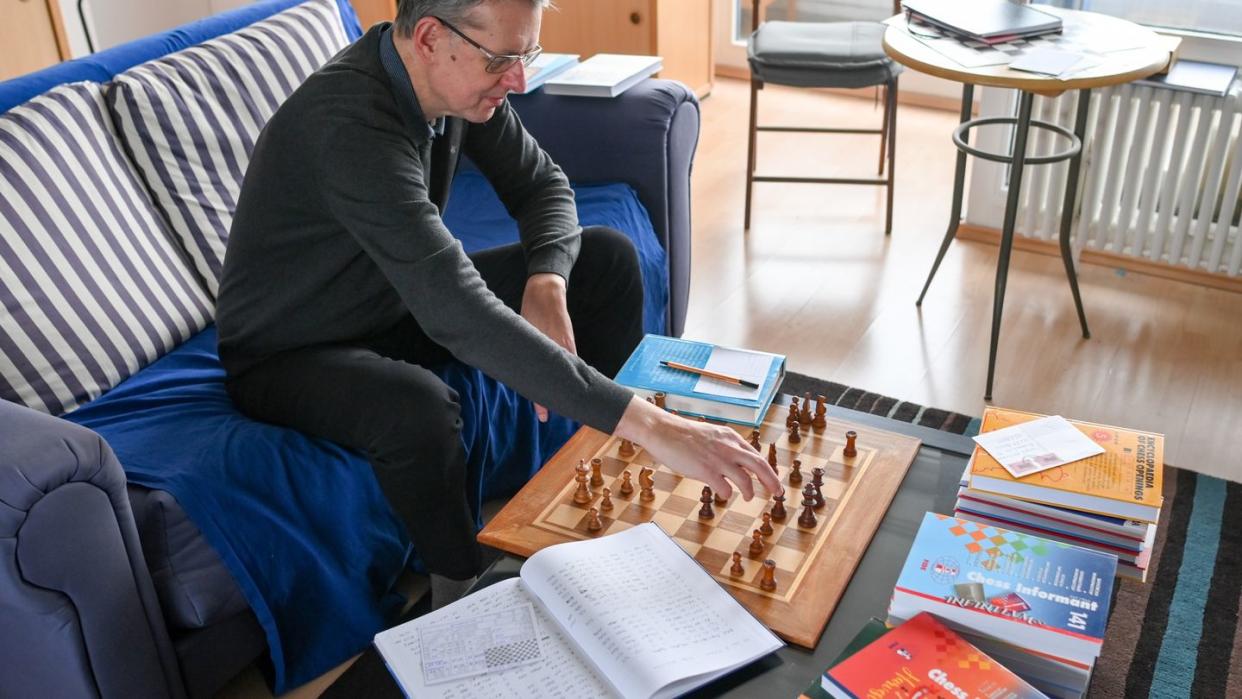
<point>626,615</point>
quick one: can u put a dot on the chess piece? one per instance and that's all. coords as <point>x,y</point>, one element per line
<point>706,512</point>
<point>754,440</point>
<point>795,433</point>
<point>766,527</point>
<point>820,420</point>
<point>721,500</point>
<point>606,503</point>
<point>851,448</point>
<point>778,508</point>
<point>793,413</point>
<point>804,415</point>
<point>736,570</point>
<point>597,478</point>
<point>772,456</point>
<point>756,543</point>
<point>660,397</point>
<point>817,482</point>
<point>626,450</point>
<point>627,488</point>
<point>593,522</point>
<point>807,518</point>
<point>582,495</point>
<point>768,582</point>
<point>646,485</point>
<point>795,476</point>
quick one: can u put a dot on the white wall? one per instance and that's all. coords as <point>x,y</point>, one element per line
<point>112,22</point>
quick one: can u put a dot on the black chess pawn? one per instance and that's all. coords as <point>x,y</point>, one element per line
<point>795,476</point>
<point>768,582</point>
<point>766,528</point>
<point>756,543</point>
<point>706,512</point>
<point>795,433</point>
<point>807,518</point>
<point>778,508</point>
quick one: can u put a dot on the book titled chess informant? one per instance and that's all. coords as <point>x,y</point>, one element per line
<point>1126,481</point>
<point>547,66</point>
<point>625,615</point>
<point>1023,590</point>
<point>603,75</point>
<point>701,396</point>
<point>923,658</point>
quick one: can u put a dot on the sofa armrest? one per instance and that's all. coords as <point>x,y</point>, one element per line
<point>80,613</point>
<point>645,137</point>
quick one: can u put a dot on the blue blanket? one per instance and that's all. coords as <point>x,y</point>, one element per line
<point>301,523</point>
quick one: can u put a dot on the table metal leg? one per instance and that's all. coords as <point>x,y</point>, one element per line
<point>1067,209</point>
<point>959,183</point>
<point>1021,130</point>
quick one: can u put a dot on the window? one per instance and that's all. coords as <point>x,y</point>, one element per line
<point>1209,16</point>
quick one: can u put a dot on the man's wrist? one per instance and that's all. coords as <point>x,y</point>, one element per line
<point>546,281</point>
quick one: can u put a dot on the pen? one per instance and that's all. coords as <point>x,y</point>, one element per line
<point>709,374</point>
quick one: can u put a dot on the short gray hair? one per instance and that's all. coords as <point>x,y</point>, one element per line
<point>453,11</point>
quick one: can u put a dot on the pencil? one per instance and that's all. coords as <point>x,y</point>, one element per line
<point>709,374</point>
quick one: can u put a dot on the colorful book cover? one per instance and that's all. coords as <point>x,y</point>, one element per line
<point>1128,476</point>
<point>1027,590</point>
<point>923,658</point>
<point>873,629</point>
<point>685,392</point>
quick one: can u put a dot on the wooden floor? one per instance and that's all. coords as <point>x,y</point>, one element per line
<point>816,279</point>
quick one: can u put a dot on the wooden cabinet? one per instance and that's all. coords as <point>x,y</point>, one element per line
<point>680,31</point>
<point>372,11</point>
<point>32,36</point>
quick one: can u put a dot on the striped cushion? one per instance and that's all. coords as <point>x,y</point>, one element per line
<point>191,118</point>
<point>92,286</point>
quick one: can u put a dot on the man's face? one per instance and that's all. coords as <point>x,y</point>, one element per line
<point>460,76</point>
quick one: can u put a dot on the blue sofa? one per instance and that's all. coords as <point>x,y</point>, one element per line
<point>153,541</point>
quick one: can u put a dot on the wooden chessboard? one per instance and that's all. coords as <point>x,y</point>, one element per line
<point>813,566</point>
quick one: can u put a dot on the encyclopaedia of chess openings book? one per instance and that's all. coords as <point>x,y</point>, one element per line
<point>1024,590</point>
<point>625,615</point>
<point>701,396</point>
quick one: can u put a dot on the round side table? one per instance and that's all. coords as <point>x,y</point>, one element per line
<point>1152,53</point>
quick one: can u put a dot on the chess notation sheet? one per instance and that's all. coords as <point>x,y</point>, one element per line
<point>630,615</point>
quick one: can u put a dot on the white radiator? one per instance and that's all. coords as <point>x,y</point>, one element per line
<point>1160,177</point>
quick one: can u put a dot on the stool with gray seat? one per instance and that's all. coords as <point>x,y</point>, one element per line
<point>823,54</point>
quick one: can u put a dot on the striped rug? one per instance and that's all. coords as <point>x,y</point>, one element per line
<point>1174,636</point>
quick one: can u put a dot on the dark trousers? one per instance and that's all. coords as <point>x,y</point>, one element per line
<point>376,396</point>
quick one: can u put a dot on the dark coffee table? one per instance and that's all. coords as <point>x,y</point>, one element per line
<point>930,485</point>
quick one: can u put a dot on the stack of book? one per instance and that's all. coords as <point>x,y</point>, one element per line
<point>1108,503</point>
<point>919,658</point>
<point>1037,606</point>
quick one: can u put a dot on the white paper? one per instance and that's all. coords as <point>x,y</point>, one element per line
<point>645,611</point>
<point>562,674</point>
<point>1051,61</point>
<point>491,642</point>
<point>1038,445</point>
<point>744,364</point>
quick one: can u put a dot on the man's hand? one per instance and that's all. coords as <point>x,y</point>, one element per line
<point>709,453</point>
<point>544,306</point>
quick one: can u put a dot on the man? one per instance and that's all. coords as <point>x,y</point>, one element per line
<point>341,281</point>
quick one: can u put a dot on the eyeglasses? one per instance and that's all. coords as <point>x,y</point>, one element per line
<point>496,62</point>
